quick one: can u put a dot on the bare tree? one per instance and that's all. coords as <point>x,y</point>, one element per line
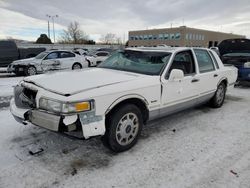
<point>109,38</point>
<point>73,34</point>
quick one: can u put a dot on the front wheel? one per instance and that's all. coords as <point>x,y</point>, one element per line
<point>123,128</point>
<point>219,96</point>
<point>30,71</point>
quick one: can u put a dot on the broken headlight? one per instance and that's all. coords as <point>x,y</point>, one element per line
<point>58,106</point>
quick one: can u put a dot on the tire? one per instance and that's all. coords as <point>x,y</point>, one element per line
<point>219,96</point>
<point>30,71</point>
<point>76,66</point>
<point>123,128</point>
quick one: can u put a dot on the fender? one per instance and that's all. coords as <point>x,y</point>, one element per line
<point>125,97</point>
<point>223,78</point>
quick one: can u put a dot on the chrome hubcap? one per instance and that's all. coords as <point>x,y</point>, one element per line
<point>220,94</point>
<point>127,129</point>
<point>31,71</point>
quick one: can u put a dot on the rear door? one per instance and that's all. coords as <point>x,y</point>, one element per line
<point>207,77</point>
<point>67,59</point>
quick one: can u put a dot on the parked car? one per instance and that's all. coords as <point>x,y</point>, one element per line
<point>124,92</point>
<point>81,51</point>
<point>9,52</point>
<point>97,58</point>
<point>236,52</point>
<point>48,61</point>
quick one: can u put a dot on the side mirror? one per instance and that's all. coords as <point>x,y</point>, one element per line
<point>176,75</point>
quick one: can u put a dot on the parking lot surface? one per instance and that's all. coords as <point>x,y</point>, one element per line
<point>201,147</point>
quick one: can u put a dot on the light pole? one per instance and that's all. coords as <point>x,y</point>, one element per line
<point>48,25</point>
<point>53,17</point>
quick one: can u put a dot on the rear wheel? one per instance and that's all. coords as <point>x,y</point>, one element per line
<point>219,96</point>
<point>30,71</point>
<point>123,128</point>
<point>76,66</point>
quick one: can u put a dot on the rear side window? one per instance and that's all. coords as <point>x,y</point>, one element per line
<point>67,55</point>
<point>204,61</point>
<point>214,59</point>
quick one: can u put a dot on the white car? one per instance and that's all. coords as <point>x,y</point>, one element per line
<point>48,61</point>
<point>97,58</point>
<point>127,90</point>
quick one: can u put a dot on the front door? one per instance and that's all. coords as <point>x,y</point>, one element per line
<point>183,93</point>
<point>51,62</point>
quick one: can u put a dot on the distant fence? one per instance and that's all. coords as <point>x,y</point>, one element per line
<point>66,46</point>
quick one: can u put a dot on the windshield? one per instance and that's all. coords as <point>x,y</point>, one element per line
<point>41,55</point>
<point>150,63</point>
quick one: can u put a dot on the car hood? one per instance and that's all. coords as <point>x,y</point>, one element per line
<point>24,61</point>
<point>231,46</point>
<point>74,82</point>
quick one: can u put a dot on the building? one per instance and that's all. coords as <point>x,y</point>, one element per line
<point>179,36</point>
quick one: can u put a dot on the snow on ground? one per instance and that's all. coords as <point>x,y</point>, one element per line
<point>201,147</point>
<point>7,81</point>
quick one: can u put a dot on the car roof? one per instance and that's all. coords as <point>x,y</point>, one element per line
<point>49,51</point>
<point>162,49</point>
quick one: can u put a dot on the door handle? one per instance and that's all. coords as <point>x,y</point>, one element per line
<point>195,80</point>
<point>215,75</point>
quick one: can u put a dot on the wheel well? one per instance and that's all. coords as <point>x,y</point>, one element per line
<point>137,102</point>
<point>77,64</point>
<point>224,81</point>
<point>89,63</point>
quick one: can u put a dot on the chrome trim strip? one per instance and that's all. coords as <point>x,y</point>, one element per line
<point>176,101</point>
<point>154,114</point>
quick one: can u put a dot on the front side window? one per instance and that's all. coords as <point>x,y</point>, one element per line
<point>183,61</point>
<point>53,55</point>
<point>204,60</point>
<point>150,63</point>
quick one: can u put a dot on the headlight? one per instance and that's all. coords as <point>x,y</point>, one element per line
<point>247,65</point>
<point>50,105</point>
<point>57,106</point>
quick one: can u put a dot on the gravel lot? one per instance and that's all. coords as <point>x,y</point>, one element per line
<point>201,147</point>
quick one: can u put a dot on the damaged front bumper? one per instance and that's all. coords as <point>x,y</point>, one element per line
<point>87,122</point>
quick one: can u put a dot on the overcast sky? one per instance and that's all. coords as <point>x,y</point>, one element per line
<point>26,19</point>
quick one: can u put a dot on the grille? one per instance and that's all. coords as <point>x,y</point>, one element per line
<point>25,97</point>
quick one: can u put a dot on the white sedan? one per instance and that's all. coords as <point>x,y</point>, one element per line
<point>127,90</point>
<point>48,61</point>
<point>97,58</point>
